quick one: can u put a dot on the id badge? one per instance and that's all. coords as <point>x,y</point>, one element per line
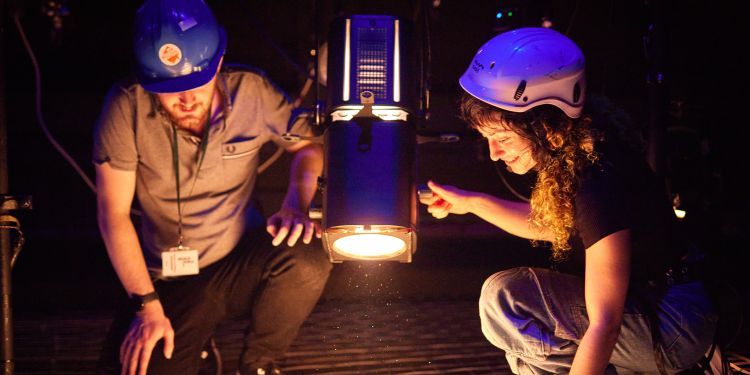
<point>179,261</point>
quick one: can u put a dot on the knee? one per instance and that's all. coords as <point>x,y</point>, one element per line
<point>511,310</point>
<point>498,301</point>
<point>501,288</point>
<point>309,264</point>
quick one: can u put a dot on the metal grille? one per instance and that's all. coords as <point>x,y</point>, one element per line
<point>372,62</point>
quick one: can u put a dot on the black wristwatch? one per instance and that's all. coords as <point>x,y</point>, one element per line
<point>138,302</point>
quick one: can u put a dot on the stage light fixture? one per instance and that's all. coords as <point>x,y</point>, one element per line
<point>368,184</point>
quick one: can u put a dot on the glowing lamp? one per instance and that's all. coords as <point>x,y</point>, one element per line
<point>369,197</point>
<point>371,243</point>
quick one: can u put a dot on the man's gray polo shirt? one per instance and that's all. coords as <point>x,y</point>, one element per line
<point>132,134</point>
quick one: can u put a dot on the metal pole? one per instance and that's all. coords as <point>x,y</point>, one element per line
<point>7,336</point>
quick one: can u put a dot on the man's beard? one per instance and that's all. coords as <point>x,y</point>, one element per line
<point>190,121</point>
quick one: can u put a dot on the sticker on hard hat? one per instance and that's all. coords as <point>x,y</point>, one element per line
<point>170,54</point>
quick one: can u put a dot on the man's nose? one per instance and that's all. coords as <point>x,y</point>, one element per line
<point>187,97</point>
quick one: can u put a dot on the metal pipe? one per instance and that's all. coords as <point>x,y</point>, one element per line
<point>5,248</point>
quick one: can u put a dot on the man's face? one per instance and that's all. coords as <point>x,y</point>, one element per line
<point>511,148</point>
<point>189,109</point>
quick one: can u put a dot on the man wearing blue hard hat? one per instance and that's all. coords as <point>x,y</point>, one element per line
<point>185,141</point>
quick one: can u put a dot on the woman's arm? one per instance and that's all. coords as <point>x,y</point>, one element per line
<point>509,216</point>
<point>606,285</point>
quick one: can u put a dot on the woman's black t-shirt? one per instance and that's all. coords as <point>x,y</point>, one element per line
<point>621,192</point>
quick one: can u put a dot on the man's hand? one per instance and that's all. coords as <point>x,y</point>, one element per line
<point>447,200</point>
<point>148,327</point>
<point>293,223</point>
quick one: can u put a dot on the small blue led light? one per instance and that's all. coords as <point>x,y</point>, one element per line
<point>499,15</point>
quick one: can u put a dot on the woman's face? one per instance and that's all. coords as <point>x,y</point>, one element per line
<point>511,148</point>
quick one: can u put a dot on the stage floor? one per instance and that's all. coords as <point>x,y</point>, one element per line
<point>373,318</point>
<point>340,337</point>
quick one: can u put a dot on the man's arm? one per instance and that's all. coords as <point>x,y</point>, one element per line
<point>292,219</point>
<point>606,285</point>
<point>115,191</point>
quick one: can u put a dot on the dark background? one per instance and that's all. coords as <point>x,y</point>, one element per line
<point>696,45</point>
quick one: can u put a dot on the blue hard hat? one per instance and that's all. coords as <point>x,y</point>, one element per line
<point>178,45</point>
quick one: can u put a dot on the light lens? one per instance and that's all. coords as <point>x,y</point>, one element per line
<point>369,246</point>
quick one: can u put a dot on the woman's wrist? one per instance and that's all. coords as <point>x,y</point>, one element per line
<point>474,202</point>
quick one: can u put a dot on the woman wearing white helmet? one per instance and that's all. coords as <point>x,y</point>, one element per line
<point>606,217</point>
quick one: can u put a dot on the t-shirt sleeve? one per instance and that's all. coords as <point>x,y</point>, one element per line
<point>277,112</point>
<point>114,133</point>
<point>602,206</point>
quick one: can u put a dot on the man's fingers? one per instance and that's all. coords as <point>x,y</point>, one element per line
<point>283,230</point>
<point>309,231</point>
<point>124,348</point>
<point>134,357</point>
<point>124,359</point>
<point>318,230</point>
<point>295,233</point>
<point>272,226</point>
<point>148,347</point>
<point>280,235</point>
<point>168,343</point>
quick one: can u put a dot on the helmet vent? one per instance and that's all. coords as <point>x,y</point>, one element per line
<point>576,92</point>
<point>519,91</point>
<point>492,65</point>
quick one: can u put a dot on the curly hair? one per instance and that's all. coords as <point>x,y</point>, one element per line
<point>562,148</point>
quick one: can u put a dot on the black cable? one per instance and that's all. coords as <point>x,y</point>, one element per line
<point>38,106</point>
<point>507,184</point>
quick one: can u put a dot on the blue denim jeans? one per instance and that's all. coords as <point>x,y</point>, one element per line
<point>538,317</point>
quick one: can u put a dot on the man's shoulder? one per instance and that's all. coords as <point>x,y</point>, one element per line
<point>239,74</point>
<point>128,89</point>
<point>240,77</point>
<point>242,69</point>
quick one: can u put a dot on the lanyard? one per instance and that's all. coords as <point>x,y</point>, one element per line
<point>176,165</point>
